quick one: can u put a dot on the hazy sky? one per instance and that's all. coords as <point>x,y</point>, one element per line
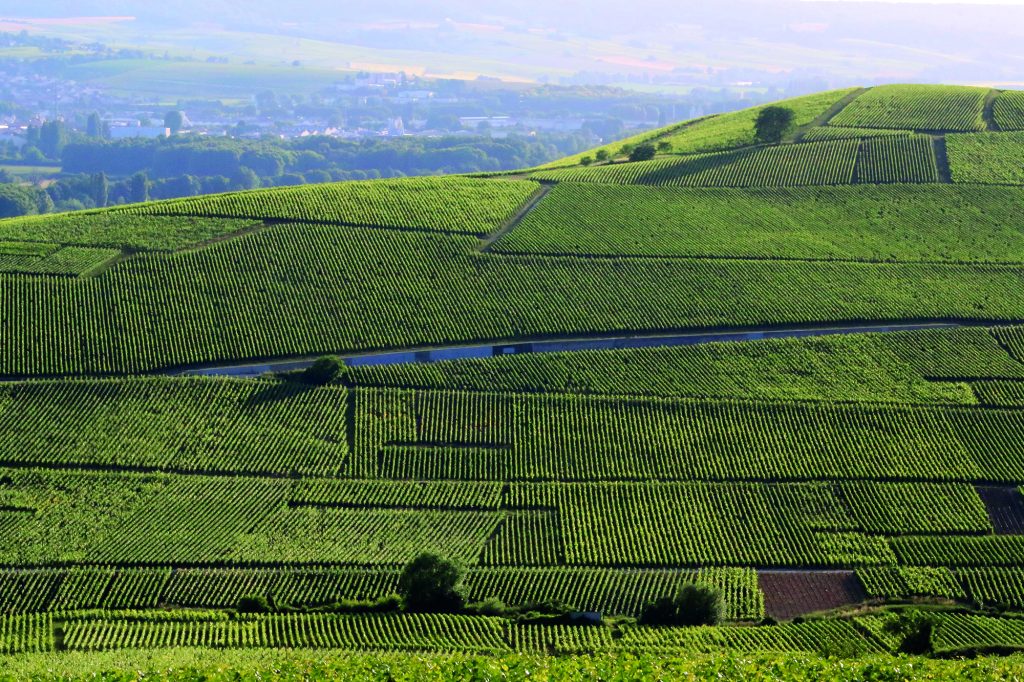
<point>937,2</point>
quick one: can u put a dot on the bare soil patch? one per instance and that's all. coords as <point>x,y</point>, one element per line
<point>788,594</point>
<point>1005,508</point>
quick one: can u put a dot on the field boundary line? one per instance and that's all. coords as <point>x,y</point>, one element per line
<point>533,202</point>
<point>942,167</point>
<point>829,114</point>
<point>747,259</point>
<point>988,112</point>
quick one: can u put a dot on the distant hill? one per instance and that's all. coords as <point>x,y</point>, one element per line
<point>760,40</point>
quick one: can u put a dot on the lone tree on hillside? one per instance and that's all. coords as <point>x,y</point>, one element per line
<point>430,584</point>
<point>323,371</point>
<point>692,605</point>
<point>643,152</point>
<point>774,123</point>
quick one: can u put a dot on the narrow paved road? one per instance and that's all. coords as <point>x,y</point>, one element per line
<point>487,350</point>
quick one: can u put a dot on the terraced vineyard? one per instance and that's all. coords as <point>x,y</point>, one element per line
<point>987,158</point>
<point>1008,110</point>
<point>898,223</point>
<point>897,160</point>
<point>916,107</point>
<point>866,456</point>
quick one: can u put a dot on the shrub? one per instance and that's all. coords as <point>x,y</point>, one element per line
<point>430,584</point>
<point>489,607</point>
<point>256,603</point>
<point>602,155</point>
<point>692,605</point>
<point>914,629</point>
<point>644,152</point>
<point>586,161</point>
<point>323,371</point>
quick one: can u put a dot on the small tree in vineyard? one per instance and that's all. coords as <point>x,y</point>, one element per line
<point>643,152</point>
<point>774,123</point>
<point>692,605</point>
<point>430,584</point>
<point>323,371</point>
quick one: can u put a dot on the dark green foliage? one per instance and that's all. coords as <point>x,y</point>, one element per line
<point>174,121</point>
<point>17,201</point>
<point>431,584</point>
<point>643,152</point>
<point>254,604</point>
<point>139,188</point>
<point>914,631</point>
<point>773,124</point>
<point>492,606</point>
<point>323,371</point>
<point>692,605</point>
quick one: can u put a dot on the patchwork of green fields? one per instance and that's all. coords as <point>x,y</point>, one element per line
<point>142,510</point>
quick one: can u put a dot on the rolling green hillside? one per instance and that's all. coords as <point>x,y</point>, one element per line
<point>804,389</point>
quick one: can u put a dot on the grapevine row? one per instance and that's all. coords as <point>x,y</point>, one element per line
<point>871,223</point>
<point>594,438</point>
<point>897,160</point>
<point>157,310</point>
<point>433,203</point>
<point>916,107</point>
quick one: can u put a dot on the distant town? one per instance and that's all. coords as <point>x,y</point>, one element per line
<point>75,134</point>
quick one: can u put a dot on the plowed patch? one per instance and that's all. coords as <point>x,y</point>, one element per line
<point>1005,508</point>
<point>788,594</point>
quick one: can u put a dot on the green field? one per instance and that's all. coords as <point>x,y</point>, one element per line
<point>1008,110</point>
<point>916,107</point>
<point>987,158</point>
<point>826,487</point>
<point>899,223</point>
<point>19,171</point>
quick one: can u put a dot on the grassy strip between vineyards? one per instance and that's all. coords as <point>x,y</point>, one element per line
<point>448,204</point>
<point>873,223</point>
<point>987,158</point>
<point>916,107</point>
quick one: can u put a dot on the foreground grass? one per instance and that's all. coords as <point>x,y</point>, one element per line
<point>212,665</point>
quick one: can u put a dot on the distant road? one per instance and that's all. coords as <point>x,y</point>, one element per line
<point>487,350</point>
